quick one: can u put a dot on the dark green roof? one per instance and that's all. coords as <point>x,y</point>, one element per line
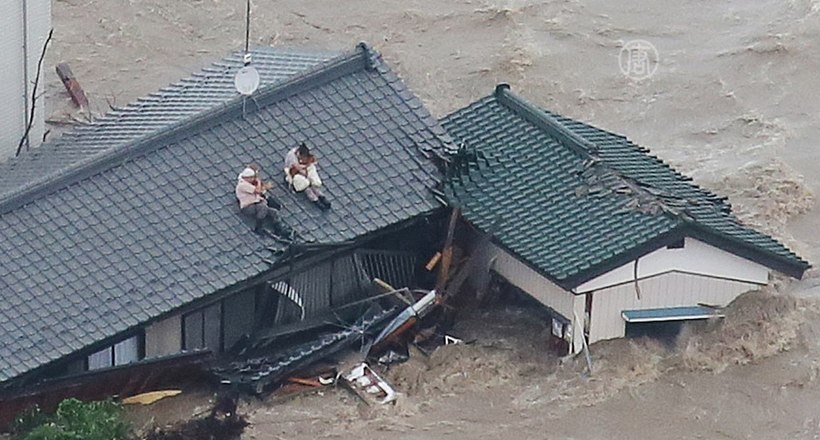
<point>574,201</point>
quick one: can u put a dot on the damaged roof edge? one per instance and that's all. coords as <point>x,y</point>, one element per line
<point>774,262</point>
<point>280,268</point>
<point>586,149</point>
<point>728,244</point>
<point>752,253</point>
<point>361,58</point>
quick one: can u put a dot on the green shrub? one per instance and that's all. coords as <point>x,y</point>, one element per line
<point>75,420</point>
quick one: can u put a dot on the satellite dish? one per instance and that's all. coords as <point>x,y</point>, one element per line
<point>246,80</point>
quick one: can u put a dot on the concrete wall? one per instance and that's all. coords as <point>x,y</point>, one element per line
<point>18,69</point>
<point>542,289</point>
<point>164,337</point>
<point>672,289</point>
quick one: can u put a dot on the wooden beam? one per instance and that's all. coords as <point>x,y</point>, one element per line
<point>72,85</point>
<point>447,252</point>
<point>433,261</point>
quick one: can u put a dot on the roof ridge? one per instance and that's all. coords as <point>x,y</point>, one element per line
<point>645,197</point>
<point>587,149</point>
<point>641,190</point>
<point>543,120</point>
<point>362,57</point>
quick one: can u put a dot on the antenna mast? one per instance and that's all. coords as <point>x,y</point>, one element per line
<point>247,25</point>
<point>246,80</point>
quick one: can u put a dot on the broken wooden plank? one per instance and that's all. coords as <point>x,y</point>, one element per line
<point>433,261</point>
<point>72,86</point>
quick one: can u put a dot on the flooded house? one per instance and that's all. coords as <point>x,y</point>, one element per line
<point>609,238</point>
<point>126,253</point>
<point>128,260</point>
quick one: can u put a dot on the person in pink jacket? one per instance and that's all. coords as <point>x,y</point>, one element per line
<point>250,192</point>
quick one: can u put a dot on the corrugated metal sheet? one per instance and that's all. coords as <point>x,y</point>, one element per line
<point>339,281</point>
<point>12,75</point>
<point>668,290</point>
<point>395,268</point>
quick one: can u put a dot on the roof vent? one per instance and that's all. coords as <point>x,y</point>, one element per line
<point>371,56</point>
<point>499,89</point>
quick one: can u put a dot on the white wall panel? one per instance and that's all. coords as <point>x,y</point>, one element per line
<point>695,257</point>
<point>539,287</point>
<point>667,290</point>
<point>13,76</point>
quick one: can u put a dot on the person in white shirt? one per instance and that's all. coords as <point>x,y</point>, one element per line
<point>302,175</point>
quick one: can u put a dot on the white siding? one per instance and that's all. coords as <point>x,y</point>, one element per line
<point>540,288</point>
<point>695,257</point>
<point>667,290</point>
<point>163,338</point>
<point>15,81</point>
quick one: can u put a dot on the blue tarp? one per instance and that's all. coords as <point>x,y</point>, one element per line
<point>671,314</point>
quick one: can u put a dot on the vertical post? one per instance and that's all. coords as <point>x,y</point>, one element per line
<point>447,252</point>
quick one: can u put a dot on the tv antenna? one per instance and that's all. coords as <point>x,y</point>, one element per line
<point>246,80</point>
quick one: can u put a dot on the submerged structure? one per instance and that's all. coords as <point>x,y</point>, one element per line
<point>607,236</point>
<point>127,257</point>
<point>134,249</point>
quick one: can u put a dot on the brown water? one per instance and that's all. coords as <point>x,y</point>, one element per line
<point>733,102</point>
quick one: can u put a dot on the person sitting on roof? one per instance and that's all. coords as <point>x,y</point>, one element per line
<point>302,175</point>
<point>250,192</point>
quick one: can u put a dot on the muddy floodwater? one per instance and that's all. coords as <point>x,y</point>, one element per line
<point>733,99</point>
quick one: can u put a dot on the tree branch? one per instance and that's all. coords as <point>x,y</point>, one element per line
<point>30,121</point>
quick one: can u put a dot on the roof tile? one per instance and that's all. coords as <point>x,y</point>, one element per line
<point>572,237</point>
<point>137,243</point>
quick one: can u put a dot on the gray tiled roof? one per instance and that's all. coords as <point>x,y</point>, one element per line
<point>154,225</point>
<point>203,90</point>
<point>575,201</point>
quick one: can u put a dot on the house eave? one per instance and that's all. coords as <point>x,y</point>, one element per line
<point>302,255</point>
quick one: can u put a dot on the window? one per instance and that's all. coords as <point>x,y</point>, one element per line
<point>203,329</point>
<point>121,353</point>
<point>127,351</point>
<point>101,359</point>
